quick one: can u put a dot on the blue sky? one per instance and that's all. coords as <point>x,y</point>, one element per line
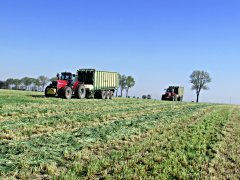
<point>158,42</point>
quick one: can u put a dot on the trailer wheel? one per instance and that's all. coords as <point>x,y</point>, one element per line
<point>111,95</point>
<point>80,91</point>
<point>107,94</point>
<point>67,92</point>
<point>103,94</point>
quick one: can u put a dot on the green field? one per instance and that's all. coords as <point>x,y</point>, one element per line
<point>44,138</point>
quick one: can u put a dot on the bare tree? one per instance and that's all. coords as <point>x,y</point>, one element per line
<point>119,79</point>
<point>122,83</point>
<point>130,82</point>
<point>43,81</point>
<point>199,79</point>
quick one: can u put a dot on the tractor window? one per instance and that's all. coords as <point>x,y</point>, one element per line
<point>66,76</point>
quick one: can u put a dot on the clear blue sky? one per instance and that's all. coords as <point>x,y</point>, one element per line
<point>158,42</point>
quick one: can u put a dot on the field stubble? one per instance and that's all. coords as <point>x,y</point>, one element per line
<point>122,138</point>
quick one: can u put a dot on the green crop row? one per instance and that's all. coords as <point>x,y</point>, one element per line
<point>43,138</point>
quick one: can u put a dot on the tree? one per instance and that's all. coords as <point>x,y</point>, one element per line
<point>130,82</point>
<point>9,83</point>
<point>43,81</point>
<point>36,83</point>
<point>119,79</point>
<point>2,84</point>
<point>199,79</point>
<point>144,97</point>
<point>17,82</point>
<point>122,83</point>
<point>53,79</point>
<point>149,96</point>
<point>26,82</point>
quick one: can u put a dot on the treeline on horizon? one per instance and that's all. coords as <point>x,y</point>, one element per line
<point>26,83</point>
<point>38,84</point>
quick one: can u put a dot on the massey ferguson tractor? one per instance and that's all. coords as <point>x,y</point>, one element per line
<point>173,93</point>
<point>86,83</point>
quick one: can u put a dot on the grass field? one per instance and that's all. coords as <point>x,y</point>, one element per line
<point>44,138</point>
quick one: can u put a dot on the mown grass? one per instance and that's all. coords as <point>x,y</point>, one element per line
<point>42,138</point>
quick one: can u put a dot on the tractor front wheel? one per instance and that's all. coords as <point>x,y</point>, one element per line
<point>67,94</point>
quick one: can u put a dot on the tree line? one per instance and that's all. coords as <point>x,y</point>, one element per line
<point>198,79</point>
<point>38,84</point>
<point>26,83</point>
<point>125,83</point>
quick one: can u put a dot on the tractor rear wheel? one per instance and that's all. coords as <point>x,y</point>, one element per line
<point>80,91</point>
<point>67,94</point>
<point>103,94</point>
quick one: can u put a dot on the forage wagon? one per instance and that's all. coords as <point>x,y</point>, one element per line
<point>85,83</point>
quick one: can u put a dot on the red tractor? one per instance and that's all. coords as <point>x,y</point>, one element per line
<point>173,93</point>
<point>65,86</point>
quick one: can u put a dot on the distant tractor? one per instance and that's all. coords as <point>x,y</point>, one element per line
<point>173,93</point>
<point>87,83</point>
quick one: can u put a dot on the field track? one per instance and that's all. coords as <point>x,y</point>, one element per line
<point>45,138</point>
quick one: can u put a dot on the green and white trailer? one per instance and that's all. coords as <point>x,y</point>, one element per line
<point>98,84</point>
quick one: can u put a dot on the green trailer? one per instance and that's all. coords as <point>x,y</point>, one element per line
<point>98,84</point>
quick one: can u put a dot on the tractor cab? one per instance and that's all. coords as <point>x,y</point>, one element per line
<point>67,76</point>
<point>170,91</point>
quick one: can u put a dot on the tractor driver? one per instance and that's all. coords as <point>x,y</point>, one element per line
<point>70,81</point>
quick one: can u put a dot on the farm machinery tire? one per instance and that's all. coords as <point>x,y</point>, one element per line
<point>111,95</point>
<point>80,91</point>
<point>67,92</point>
<point>103,94</point>
<point>107,94</point>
